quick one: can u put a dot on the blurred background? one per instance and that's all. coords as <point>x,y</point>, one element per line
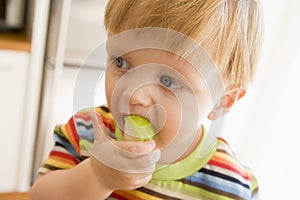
<point>43,44</point>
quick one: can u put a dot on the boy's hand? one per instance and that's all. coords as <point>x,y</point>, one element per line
<point>122,165</point>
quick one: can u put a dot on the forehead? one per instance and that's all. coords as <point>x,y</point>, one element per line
<point>153,38</point>
<point>160,39</point>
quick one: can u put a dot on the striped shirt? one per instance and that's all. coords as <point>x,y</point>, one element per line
<point>218,176</point>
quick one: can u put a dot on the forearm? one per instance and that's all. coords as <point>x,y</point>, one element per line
<point>74,184</point>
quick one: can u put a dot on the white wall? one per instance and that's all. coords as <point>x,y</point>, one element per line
<point>262,128</point>
<point>13,68</point>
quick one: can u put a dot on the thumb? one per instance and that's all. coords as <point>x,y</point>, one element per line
<point>100,132</point>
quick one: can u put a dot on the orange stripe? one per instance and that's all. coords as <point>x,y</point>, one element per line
<point>58,164</point>
<point>127,195</point>
<point>225,158</point>
<point>63,160</point>
<point>68,132</point>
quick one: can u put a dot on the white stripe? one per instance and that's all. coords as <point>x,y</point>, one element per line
<point>224,147</point>
<point>228,173</point>
<point>84,152</point>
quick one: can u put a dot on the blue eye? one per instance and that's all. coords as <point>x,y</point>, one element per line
<point>121,63</point>
<point>169,82</point>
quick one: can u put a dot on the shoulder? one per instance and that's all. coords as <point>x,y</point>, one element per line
<point>225,175</point>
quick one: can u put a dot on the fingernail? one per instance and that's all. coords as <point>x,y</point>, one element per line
<point>151,144</point>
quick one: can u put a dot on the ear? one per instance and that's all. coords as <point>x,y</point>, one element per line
<point>226,102</point>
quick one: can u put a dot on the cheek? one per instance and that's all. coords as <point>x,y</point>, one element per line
<point>172,123</point>
<point>175,122</point>
<point>110,82</point>
<point>205,105</point>
<point>108,95</point>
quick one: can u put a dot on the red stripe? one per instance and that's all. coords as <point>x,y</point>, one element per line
<point>64,155</point>
<point>74,131</point>
<point>109,125</point>
<point>229,167</point>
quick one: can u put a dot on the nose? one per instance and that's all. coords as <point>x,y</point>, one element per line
<point>143,96</point>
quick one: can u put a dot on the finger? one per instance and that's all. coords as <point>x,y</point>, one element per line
<point>129,163</point>
<point>100,132</point>
<point>137,148</point>
<point>140,164</point>
<point>137,181</point>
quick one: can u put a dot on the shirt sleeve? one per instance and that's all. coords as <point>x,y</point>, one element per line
<point>74,140</point>
<point>239,182</point>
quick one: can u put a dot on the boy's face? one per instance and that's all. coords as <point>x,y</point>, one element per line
<point>160,86</point>
<point>157,100</point>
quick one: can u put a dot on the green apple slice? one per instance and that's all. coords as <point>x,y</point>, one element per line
<point>136,128</point>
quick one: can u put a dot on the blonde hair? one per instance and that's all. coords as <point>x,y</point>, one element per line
<point>229,30</point>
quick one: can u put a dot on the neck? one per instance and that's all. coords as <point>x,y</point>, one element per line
<point>194,144</point>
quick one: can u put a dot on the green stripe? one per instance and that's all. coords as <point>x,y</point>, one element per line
<point>84,144</point>
<point>58,131</point>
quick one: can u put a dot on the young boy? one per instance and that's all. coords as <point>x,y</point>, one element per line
<point>161,65</point>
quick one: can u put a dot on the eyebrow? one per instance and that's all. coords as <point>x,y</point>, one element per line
<point>111,48</point>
